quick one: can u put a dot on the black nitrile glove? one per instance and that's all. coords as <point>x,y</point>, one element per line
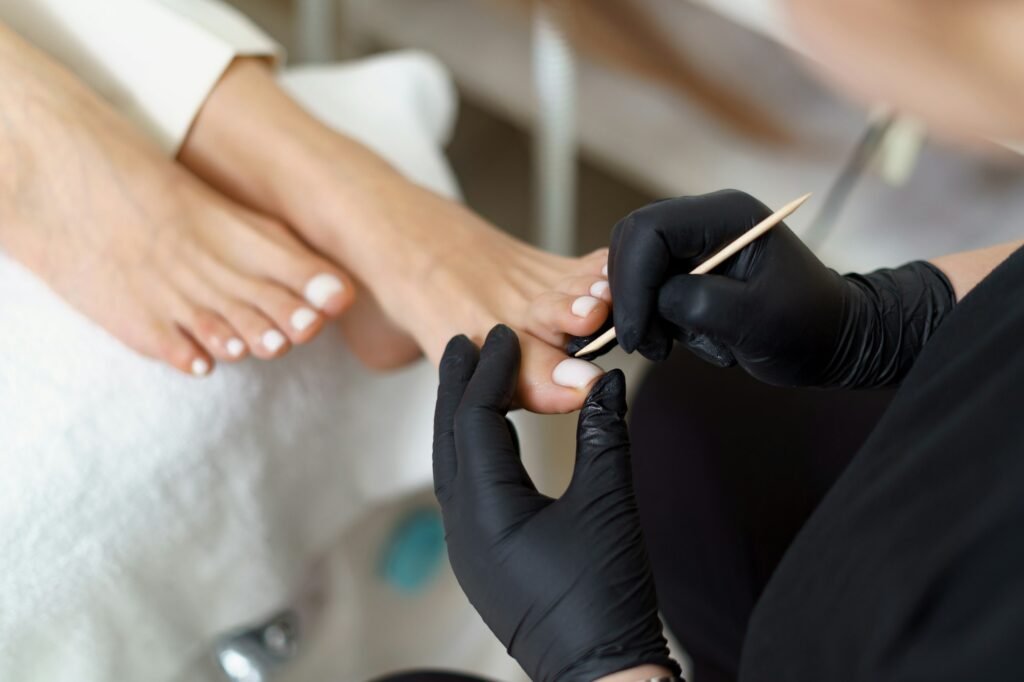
<point>564,584</point>
<point>773,308</point>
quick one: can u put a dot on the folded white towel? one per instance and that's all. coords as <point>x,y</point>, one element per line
<point>143,512</point>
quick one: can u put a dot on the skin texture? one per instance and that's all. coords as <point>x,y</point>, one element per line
<point>431,267</point>
<point>169,267</point>
<point>957,65</point>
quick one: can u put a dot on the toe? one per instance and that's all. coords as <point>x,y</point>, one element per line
<point>554,316</point>
<point>581,285</point>
<point>324,286</point>
<point>174,346</point>
<point>551,382</point>
<point>219,338</point>
<point>257,331</point>
<point>295,317</point>
<point>596,262</point>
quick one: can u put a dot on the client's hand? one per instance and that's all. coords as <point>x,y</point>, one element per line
<point>773,308</point>
<point>564,584</point>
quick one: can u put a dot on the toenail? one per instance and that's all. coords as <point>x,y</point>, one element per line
<point>200,367</point>
<point>573,373</point>
<point>604,270</point>
<point>235,347</point>
<point>302,318</point>
<point>599,288</point>
<point>583,305</point>
<point>321,288</point>
<point>272,340</point>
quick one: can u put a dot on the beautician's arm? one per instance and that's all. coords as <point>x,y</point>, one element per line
<point>775,309</point>
<point>966,269</point>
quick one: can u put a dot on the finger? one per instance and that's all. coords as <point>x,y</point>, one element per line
<point>670,237</point>
<point>486,450</point>
<point>457,365</point>
<point>578,343</point>
<point>638,262</point>
<point>493,383</point>
<point>602,439</point>
<point>709,305</point>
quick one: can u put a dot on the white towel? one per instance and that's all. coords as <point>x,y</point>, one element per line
<point>143,512</point>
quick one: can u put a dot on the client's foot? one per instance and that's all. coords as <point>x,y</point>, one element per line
<point>435,268</point>
<point>134,241</point>
<point>438,270</point>
<point>578,306</point>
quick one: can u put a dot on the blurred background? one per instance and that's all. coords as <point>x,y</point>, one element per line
<point>573,113</point>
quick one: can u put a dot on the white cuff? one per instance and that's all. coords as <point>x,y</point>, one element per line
<point>155,60</point>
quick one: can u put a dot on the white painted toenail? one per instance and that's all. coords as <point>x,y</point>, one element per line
<point>200,367</point>
<point>582,306</point>
<point>599,288</point>
<point>604,270</point>
<point>235,347</point>
<point>302,318</point>
<point>573,373</point>
<point>321,288</point>
<point>272,340</point>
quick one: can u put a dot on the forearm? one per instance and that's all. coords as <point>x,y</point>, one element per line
<point>642,672</point>
<point>966,269</point>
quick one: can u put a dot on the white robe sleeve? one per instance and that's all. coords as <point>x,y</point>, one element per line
<point>155,60</point>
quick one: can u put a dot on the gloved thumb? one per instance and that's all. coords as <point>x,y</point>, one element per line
<point>602,439</point>
<point>711,306</point>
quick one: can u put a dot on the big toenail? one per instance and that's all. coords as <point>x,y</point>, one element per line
<point>200,367</point>
<point>599,288</point>
<point>583,305</point>
<point>321,288</point>
<point>302,318</point>
<point>573,373</point>
<point>604,270</point>
<point>235,347</point>
<point>272,340</point>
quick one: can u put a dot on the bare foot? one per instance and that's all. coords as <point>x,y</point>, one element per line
<point>135,242</point>
<point>438,270</point>
<point>435,268</point>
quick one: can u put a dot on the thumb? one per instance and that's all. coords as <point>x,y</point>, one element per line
<point>706,305</point>
<point>602,438</point>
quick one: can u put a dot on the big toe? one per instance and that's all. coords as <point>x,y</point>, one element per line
<point>550,382</point>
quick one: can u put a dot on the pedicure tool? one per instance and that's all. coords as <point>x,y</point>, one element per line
<point>731,249</point>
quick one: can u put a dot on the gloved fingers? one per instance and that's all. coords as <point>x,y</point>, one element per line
<point>577,343</point>
<point>487,448</point>
<point>493,383</point>
<point>637,264</point>
<point>707,348</point>
<point>672,236</point>
<point>602,439</point>
<point>656,346</point>
<point>707,305</point>
<point>457,364</point>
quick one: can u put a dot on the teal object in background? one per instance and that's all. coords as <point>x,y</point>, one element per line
<point>415,552</point>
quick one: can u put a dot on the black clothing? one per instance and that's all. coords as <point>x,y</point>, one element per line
<point>726,470</point>
<point>912,567</point>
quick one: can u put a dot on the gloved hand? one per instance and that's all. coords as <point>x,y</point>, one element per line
<point>773,307</point>
<point>564,584</point>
